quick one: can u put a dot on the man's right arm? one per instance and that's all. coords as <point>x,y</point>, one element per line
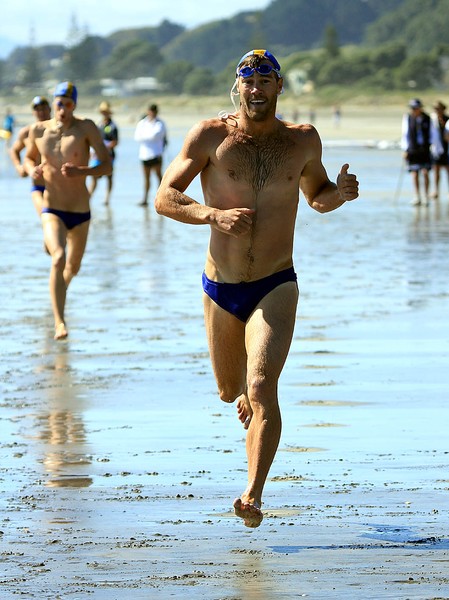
<point>171,201</point>
<point>32,156</point>
<point>16,149</point>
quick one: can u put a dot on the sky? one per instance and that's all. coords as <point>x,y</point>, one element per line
<point>49,21</point>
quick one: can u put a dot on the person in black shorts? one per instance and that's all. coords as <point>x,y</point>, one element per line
<point>440,161</point>
<point>109,133</point>
<point>151,133</point>
<point>418,135</point>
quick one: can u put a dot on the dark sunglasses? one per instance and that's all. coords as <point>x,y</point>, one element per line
<point>263,69</point>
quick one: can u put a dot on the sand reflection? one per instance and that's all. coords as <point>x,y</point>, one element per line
<point>61,428</point>
<point>254,579</point>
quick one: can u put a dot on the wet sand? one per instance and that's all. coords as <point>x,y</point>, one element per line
<point>118,463</point>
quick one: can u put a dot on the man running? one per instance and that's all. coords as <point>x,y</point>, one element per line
<point>252,167</point>
<point>58,151</point>
<point>42,112</point>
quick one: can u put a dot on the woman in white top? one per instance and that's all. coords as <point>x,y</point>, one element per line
<point>151,133</point>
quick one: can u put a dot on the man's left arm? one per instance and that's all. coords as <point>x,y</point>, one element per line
<point>321,193</point>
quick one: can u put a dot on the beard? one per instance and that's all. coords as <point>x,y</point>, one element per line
<point>259,112</point>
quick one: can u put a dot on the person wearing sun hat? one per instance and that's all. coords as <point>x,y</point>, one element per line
<point>109,133</point>
<point>58,151</point>
<point>252,166</point>
<point>42,112</point>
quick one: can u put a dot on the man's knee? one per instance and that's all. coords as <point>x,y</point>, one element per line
<point>229,393</point>
<point>262,390</point>
<point>59,259</point>
<point>73,267</point>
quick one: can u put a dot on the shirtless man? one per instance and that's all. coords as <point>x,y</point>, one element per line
<point>252,167</point>
<point>58,150</point>
<point>42,112</point>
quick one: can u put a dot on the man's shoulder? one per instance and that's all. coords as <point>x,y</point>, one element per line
<point>210,132</point>
<point>301,131</point>
<point>24,132</point>
<point>39,127</point>
<point>304,128</point>
<point>85,126</point>
<point>205,136</point>
<point>84,122</point>
<point>215,125</point>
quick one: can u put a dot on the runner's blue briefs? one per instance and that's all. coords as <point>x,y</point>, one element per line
<point>240,299</point>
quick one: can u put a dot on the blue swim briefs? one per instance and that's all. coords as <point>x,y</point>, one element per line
<point>70,219</point>
<point>240,299</point>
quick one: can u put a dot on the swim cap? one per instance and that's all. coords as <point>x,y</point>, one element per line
<point>264,54</point>
<point>38,101</point>
<point>66,89</point>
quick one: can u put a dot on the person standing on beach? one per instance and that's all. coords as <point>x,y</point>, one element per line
<point>42,112</point>
<point>109,133</point>
<point>151,133</point>
<point>418,134</point>
<point>440,160</point>
<point>58,151</point>
<point>252,167</point>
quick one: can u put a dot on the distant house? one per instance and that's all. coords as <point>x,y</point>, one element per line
<point>129,87</point>
<point>298,82</point>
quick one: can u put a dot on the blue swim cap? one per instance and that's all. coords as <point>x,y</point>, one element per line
<point>38,101</point>
<point>263,53</point>
<point>66,89</point>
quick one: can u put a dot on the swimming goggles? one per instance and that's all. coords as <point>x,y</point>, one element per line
<point>67,104</point>
<point>262,69</point>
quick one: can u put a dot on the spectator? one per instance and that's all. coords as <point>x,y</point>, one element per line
<point>151,133</point>
<point>109,133</point>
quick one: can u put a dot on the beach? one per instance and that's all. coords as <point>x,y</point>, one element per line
<point>118,462</point>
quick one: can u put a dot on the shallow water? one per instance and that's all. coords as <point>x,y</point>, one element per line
<point>114,442</point>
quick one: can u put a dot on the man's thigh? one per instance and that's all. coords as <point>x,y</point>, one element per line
<point>55,232</point>
<point>226,340</point>
<point>269,332</point>
<point>76,243</point>
<point>37,198</point>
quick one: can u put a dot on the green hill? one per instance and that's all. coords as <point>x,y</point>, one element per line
<point>382,44</point>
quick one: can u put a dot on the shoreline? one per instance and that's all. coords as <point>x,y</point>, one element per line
<point>367,119</point>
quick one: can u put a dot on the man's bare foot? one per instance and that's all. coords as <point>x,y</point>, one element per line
<point>244,411</point>
<point>250,512</point>
<point>61,331</point>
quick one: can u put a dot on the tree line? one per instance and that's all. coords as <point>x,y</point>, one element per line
<point>385,45</point>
